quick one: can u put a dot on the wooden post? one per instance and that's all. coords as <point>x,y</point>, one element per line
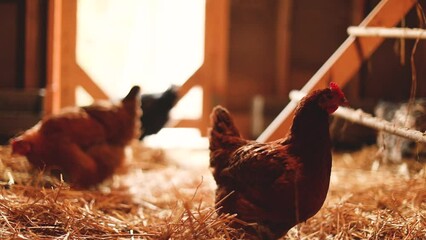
<point>215,56</point>
<point>52,102</point>
<point>212,75</point>
<point>33,67</point>
<point>283,33</point>
<point>68,52</point>
<point>64,73</point>
<point>345,62</point>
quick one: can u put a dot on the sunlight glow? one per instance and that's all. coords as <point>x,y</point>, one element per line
<point>151,43</point>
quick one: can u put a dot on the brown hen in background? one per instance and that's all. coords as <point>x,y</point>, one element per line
<point>278,184</point>
<point>85,143</point>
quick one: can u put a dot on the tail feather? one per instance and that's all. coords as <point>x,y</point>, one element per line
<point>133,93</point>
<point>132,104</point>
<point>222,122</point>
<point>132,101</point>
<point>224,138</point>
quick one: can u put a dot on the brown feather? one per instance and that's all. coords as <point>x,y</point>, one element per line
<point>86,144</point>
<point>280,183</point>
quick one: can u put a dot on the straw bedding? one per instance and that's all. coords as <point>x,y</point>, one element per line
<point>170,195</point>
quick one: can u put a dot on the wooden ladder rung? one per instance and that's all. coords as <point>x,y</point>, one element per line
<point>409,33</point>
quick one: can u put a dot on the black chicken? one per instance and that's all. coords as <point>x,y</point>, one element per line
<point>156,108</point>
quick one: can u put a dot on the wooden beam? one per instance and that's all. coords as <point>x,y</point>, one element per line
<point>68,52</point>
<point>192,81</point>
<point>215,67</point>
<point>53,65</point>
<point>412,33</point>
<point>33,66</point>
<point>345,62</point>
<point>212,75</point>
<point>283,33</point>
<point>60,55</point>
<point>84,80</point>
<point>214,70</point>
<point>64,74</point>
<point>186,123</point>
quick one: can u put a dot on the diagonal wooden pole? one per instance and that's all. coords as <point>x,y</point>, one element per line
<point>345,62</point>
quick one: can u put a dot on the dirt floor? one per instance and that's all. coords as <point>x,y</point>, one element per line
<point>169,194</point>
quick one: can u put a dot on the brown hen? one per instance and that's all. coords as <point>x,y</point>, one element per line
<point>85,143</point>
<point>278,184</point>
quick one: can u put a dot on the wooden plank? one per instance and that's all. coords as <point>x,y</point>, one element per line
<point>192,81</point>
<point>283,33</point>
<point>52,97</point>
<point>344,63</point>
<point>215,65</point>
<point>64,73</point>
<point>84,80</point>
<point>187,123</point>
<point>29,100</point>
<point>212,75</point>
<point>12,44</point>
<point>33,66</point>
<point>68,53</point>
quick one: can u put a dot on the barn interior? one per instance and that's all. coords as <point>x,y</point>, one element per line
<point>246,55</point>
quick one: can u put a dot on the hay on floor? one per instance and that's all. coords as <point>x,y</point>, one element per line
<point>155,198</point>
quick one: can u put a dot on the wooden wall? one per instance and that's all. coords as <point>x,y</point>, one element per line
<point>311,31</point>
<point>318,28</point>
<point>22,43</point>
<point>22,65</point>
<point>252,54</point>
<point>385,76</point>
<point>273,50</point>
<point>11,43</point>
<point>273,47</point>
<point>252,51</point>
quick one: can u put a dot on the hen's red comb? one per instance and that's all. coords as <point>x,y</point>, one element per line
<point>335,87</point>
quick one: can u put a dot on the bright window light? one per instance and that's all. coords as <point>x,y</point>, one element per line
<point>151,43</point>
